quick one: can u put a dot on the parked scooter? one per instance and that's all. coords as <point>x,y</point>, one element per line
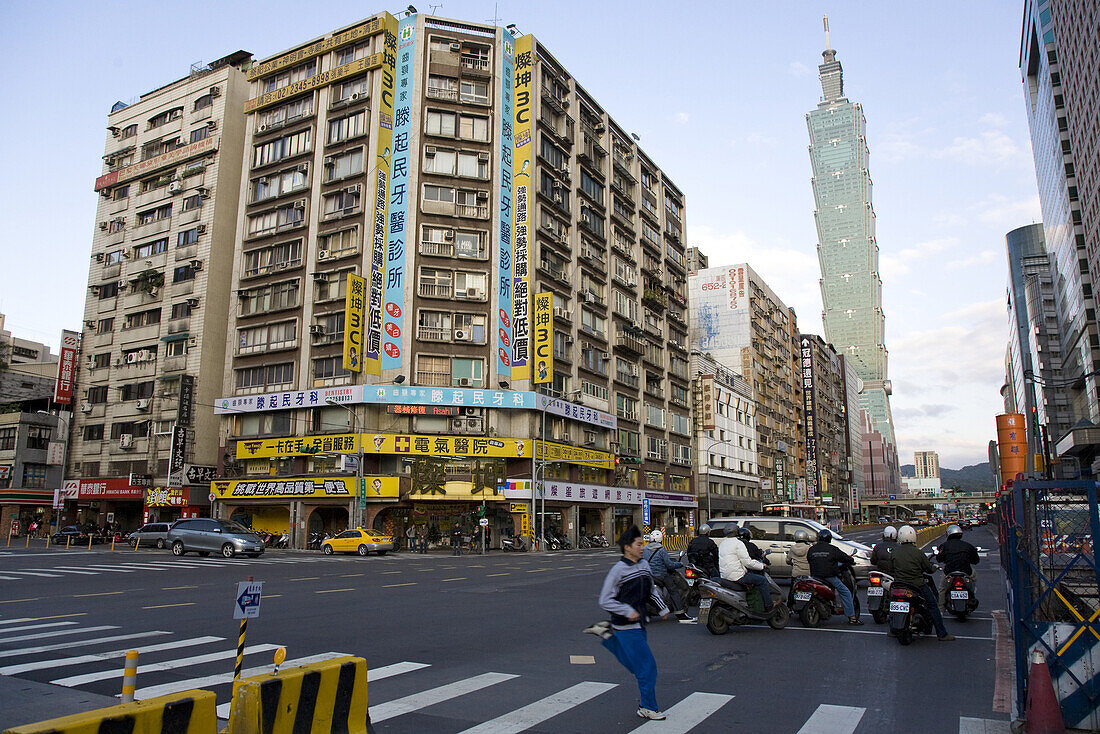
<point>724,603</point>
<point>513,544</point>
<point>878,591</point>
<point>600,541</point>
<point>816,600</point>
<point>960,599</point>
<point>909,615</point>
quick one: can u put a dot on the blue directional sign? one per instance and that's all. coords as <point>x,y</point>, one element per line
<point>645,511</point>
<point>893,496</point>
<point>247,605</point>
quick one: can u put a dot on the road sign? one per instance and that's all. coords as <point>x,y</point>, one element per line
<point>483,522</point>
<point>141,480</point>
<point>199,473</point>
<point>247,605</point>
<point>645,511</point>
<point>893,497</point>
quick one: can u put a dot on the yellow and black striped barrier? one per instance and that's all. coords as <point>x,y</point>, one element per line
<point>189,712</point>
<point>330,696</point>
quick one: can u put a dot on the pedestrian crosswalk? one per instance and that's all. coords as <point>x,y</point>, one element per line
<point>96,567</point>
<point>170,663</point>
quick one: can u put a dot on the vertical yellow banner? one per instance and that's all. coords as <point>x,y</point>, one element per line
<point>522,166</point>
<point>353,323</point>
<point>543,360</point>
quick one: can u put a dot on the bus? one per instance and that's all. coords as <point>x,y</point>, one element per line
<point>824,514</point>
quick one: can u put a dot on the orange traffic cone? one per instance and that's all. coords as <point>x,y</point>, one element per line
<point>1043,714</point>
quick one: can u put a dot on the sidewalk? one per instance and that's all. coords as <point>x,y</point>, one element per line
<point>27,702</point>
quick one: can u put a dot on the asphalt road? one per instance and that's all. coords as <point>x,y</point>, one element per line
<point>454,643</point>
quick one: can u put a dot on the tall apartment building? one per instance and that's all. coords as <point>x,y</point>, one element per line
<point>926,464</point>
<point>696,260</point>
<point>153,346</point>
<point>725,438</point>
<point>16,350</point>
<point>517,303</point>
<point>825,423</point>
<point>1058,52</point>
<point>740,321</point>
<point>851,289</point>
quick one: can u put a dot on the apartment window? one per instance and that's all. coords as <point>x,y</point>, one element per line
<point>473,165</point>
<point>120,193</point>
<point>192,202</point>
<point>469,325</point>
<point>473,127</point>
<point>592,221</point>
<point>182,273</point>
<point>470,285</point>
<point>593,323</point>
<point>274,297</point>
<point>181,310</point>
<point>442,87</point>
<point>177,348</point>
<point>276,257</point>
<point>349,89</point>
<point>102,360</point>
<point>628,442</point>
<point>129,131</point>
<point>301,107</point>
<point>200,133</point>
<point>329,368</point>
<point>342,201</point>
<point>650,233</point>
<point>97,395</point>
<point>108,290</point>
<point>680,424</point>
<point>206,100</point>
<point>470,245</point>
<point>159,147</point>
<point>271,221</point>
<point>165,117</point>
<point>116,225</point>
<point>286,146</point>
<point>34,476</point>
<point>267,337</point>
<point>593,390</point>
<point>672,207</point>
<point>142,318</point>
<point>155,215</point>
<point>654,416</point>
<point>152,184</point>
<point>591,187</point>
<point>433,371</point>
<point>91,433</point>
<point>345,164</point>
<point>466,203</point>
<point>265,376</point>
<point>333,325</point>
<point>552,153</point>
<point>439,193</point>
<point>679,394</point>
<point>439,160</point>
<point>290,76</point>
<point>149,249</point>
<point>7,439</point>
<point>346,241</point>
<point>467,372</point>
<point>440,123</point>
<point>347,127</point>
<point>593,361</point>
<point>105,326</point>
<point>138,390</point>
<point>277,184</point>
<point>334,286</point>
<point>352,53</point>
<point>187,237</point>
<point>626,407</point>
<point>473,92</point>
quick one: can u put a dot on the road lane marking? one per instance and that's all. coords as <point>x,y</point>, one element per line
<point>16,621</point>
<point>61,570</point>
<point>686,715</point>
<point>532,714</point>
<point>968,725</point>
<point>271,596</point>
<point>96,657</point>
<point>166,606</point>
<point>460,578</point>
<point>69,645</point>
<point>109,569</point>
<point>72,631</point>
<point>61,616</point>
<point>385,572</point>
<point>34,627</point>
<point>351,575</point>
<point>35,573</point>
<point>100,593</point>
<point>176,588</point>
<point>390,586</point>
<point>306,578</point>
<point>498,574</point>
<point>860,632</point>
<point>830,719</point>
<point>582,660</point>
<point>79,680</point>
<point>331,591</point>
<point>417,701</point>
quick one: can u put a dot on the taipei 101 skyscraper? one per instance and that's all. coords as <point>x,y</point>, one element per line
<point>851,291</point>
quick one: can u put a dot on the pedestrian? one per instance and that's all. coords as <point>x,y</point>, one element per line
<point>456,540</point>
<point>626,589</point>
<point>410,533</point>
<point>422,537</point>
<point>488,538</point>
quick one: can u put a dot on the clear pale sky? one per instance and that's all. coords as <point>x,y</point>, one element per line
<point>718,93</point>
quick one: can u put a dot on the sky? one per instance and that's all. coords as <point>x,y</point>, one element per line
<point>717,93</point>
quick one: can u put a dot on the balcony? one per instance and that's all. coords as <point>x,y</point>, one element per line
<point>448,95</point>
<point>469,62</point>
<point>654,299</point>
<point>630,343</point>
<point>437,249</point>
<point>433,379</point>
<point>435,290</point>
<point>472,211</point>
<point>627,379</point>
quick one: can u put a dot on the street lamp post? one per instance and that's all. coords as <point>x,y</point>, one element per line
<point>538,469</point>
<point>64,458</point>
<point>713,442</point>
<point>357,505</point>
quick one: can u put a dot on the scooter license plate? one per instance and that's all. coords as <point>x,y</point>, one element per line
<point>874,591</point>
<point>705,604</point>
<point>691,582</point>
<point>704,610</point>
<point>801,596</point>
<point>960,595</point>
<point>899,606</point>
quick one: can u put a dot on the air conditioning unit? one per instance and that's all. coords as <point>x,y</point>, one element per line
<point>324,255</point>
<point>456,47</point>
<point>90,324</point>
<point>462,335</point>
<point>449,234</point>
<point>204,192</point>
<point>354,96</point>
<point>320,277</point>
<point>484,157</point>
<point>215,91</point>
<point>300,204</point>
<point>464,382</point>
<point>103,226</point>
<point>589,297</point>
<point>473,293</point>
<point>329,160</point>
<point>561,313</point>
<point>153,291</point>
<point>565,437</point>
<point>483,196</point>
<point>605,356</point>
<point>174,187</point>
<point>143,404</point>
<point>353,189</point>
<point>262,128</point>
<point>131,358</point>
<point>193,302</point>
<point>429,151</point>
<point>590,441</point>
<point>145,355</point>
<point>192,341</point>
<point>85,407</point>
<point>317,330</point>
<point>100,257</point>
<point>212,125</point>
<point>476,424</point>
<point>196,264</point>
<point>200,228</point>
<point>458,424</point>
<point>126,441</point>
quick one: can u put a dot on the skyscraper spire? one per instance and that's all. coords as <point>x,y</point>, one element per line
<point>832,75</point>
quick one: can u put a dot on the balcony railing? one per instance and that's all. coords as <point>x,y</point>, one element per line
<point>450,95</point>
<point>433,333</point>
<point>473,211</point>
<point>433,379</point>
<point>435,290</point>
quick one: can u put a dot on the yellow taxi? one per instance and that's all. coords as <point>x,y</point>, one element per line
<point>358,541</point>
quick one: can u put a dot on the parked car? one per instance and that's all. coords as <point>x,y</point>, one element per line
<point>775,535</point>
<point>205,535</point>
<point>152,534</point>
<point>71,534</point>
<point>358,541</point>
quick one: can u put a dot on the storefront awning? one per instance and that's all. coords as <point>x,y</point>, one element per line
<point>26,496</point>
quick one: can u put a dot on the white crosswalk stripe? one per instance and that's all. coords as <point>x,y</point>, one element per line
<point>15,621</point>
<point>535,713</point>
<point>686,714</point>
<point>829,719</point>
<point>417,701</point>
<point>59,633</point>
<point>77,680</point>
<point>34,573</point>
<point>968,725</point>
<point>96,657</point>
<point>34,627</point>
<point>69,645</point>
<point>63,570</point>
<point>213,680</point>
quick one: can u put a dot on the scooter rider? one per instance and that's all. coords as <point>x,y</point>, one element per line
<point>703,552</point>
<point>735,564</point>
<point>910,566</point>
<point>796,559</point>
<point>745,534</point>
<point>884,549</point>
<point>825,563</point>
<point>956,555</point>
<point>663,569</point>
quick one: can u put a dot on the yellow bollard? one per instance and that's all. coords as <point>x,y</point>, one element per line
<point>47,542</point>
<point>112,542</point>
<point>28,541</point>
<point>89,542</point>
<point>68,539</point>
<point>9,540</point>
<point>129,677</point>
<point>137,543</point>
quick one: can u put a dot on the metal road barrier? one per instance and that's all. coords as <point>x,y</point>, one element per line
<point>188,712</point>
<point>329,696</point>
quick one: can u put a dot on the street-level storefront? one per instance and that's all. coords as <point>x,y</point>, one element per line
<point>26,512</point>
<point>168,504</point>
<point>108,501</point>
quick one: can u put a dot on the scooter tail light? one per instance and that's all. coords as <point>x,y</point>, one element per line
<point>877,580</point>
<point>689,573</point>
<point>958,583</point>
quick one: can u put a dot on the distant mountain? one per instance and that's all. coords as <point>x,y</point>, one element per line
<point>976,478</point>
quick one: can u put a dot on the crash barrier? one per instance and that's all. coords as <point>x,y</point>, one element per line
<point>676,542</point>
<point>188,712</point>
<point>1047,531</point>
<point>329,696</point>
<point>927,535</point>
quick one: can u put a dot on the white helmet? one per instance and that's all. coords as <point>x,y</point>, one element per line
<point>890,532</point>
<point>907,534</point>
<point>657,536</point>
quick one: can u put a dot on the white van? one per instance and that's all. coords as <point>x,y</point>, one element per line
<point>774,535</point>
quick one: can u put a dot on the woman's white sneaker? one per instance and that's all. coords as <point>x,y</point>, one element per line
<point>651,714</point>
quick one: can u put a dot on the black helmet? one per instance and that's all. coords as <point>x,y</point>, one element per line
<point>824,536</point>
<point>744,533</point>
<point>704,529</point>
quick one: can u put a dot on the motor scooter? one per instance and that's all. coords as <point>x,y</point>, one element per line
<point>816,600</point>
<point>513,544</point>
<point>960,599</point>
<point>909,615</point>
<point>878,591</point>
<point>724,603</point>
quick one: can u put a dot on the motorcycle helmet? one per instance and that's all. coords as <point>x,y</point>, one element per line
<point>801,536</point>
<point>657,536</point>
<point>824,536</point>
<point>704,529</point>
<point>744,534</point>
<point>890,533</point>
<point>907,534</point>
<point>954,531</point>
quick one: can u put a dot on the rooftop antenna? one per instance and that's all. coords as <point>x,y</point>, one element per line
<point>827,44</point>
<point>495,20</point>
<point>433,7</point>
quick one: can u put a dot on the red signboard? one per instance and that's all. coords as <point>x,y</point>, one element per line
<point>111,488</point>
<point>141,168</point>
<point>66,368</point>
<point>424,409</point>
